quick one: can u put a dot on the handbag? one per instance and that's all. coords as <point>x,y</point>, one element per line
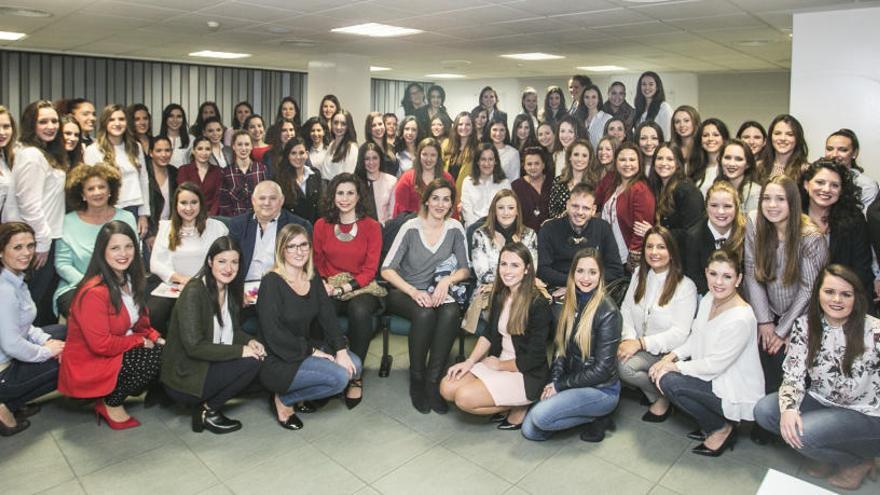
<point>342,278</point>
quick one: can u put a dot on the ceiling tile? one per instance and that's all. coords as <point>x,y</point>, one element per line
<point>141,11</point>
<point>198,24</point>
<point>245,11</point>
<point>639,29</point>
<point>556,7</point>
<point>717,22</point>
<point>604,18</point>
<point>687,9</point>
<point>778,5</point>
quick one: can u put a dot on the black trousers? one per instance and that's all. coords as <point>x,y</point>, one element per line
<point>433,330</point>
<point>42,285</point>
<point>160,312</point>
<point>225,380</point>
<point>23,382</point>
<point>360,310</point>
<point>140,368</point>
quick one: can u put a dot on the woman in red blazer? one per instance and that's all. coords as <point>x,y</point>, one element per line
<point>624,198</point>
<point>111,349</point>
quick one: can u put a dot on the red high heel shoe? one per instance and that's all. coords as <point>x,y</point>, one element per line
<point>101,412</point>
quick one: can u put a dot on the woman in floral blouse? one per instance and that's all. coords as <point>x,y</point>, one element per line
<point>836,420</point>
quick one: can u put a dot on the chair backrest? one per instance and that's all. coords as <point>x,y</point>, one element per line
<point>616,290</point>
<point>390,230</point>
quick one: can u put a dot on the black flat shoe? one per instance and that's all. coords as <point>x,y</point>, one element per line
<point>507,425</point>
<point>650,417</point>
<point>697,435</point>
<point>729,443</point>
<point>352,403</point>
<point>8,431</point>
<point>305,407</point>
<point>205,418</point>
<point>497,417</point>
<point>595,432</point>
<point>26,411</point>
<point>292,423</point>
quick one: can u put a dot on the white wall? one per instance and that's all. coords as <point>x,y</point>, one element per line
<point>835,78</point>
<point>737,97</point>
<point>346,76</point>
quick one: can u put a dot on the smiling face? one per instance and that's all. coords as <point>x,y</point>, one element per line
<point>657,253</point>
<point>617,95</point>
<point>267,201</point>
<point>298,156</point>
<point>486,164</point>
<point>174,120</point>
<point>242,112</point>
<point>587,274</point>
<point>242,147</point>
<point>505,211</point>
<point>617,131</point>
<point>837,298</point>
<point>256,130</point>
<point>328,109</point>
<point>605,152</point>
<point>340,126</point>
<point>436,99</point>
<point>224,266</point>
<point>390,122</point>
<point>711,139</point>
<point>6,129</point>
<point>161,153</point>
<point>591,99</point>
<point>85,115</point>
<point>70,131</point>
<point>575,88</point>
<point>202,152</point>
<point>465,126</point>
<point>346,196</point>
<point>497,133</point>
<point>580,209</point>
<point>722,279</point>
<point>47,124</point>
<point>141,122</point>
<point>753,138</point>
<point>116,125</point>
<point>511,269</point>
<point>377,128</point>
<point>733,161</point>
<point>838,148</point>
<point>774,204</point>
<point>96,192</point>
<point>664,164</point>
<point>648,87</point>
<point>188,206</point>
<point>439,203</point>
<point>19,252</point>
<point>119,253</point>
<point>530,102</point>
<point>721,209</point>
<point>488,99</point>
<point>824,188</point>
<point>214,132</point>
<point>372,162</point>
<point>522,130</point>
<point>428,158</point>
<point>481,118</point>
<point>648,140</point>
<point>288,110</point>
<point>287,132</point>
<point>437,128</point>
<point>410,132</point>
<point>297,252</point>
<point>545,136</point>
<point>580,158</point>
<point>316,134</point>
<point>566,134</point>
<point>534,166</point>
<point>782,138</point>
<point>627,164</point>
<point>683,124</point>
<point>554,100</point>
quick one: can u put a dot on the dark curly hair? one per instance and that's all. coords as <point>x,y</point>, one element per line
<point>77,178</point>
<point>331,212</point>
<point>848,208</point>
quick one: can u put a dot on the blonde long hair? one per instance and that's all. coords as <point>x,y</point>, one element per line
<point>132,147</point>
<point>584,330</point>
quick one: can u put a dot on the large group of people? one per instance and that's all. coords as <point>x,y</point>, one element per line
<point>595,250</point>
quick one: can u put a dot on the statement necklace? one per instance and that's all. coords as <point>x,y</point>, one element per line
<point>345,236</point>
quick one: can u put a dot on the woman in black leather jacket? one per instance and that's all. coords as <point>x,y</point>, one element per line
<point>584,386</point>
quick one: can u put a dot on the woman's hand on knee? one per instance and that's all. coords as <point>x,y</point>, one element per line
<point>549,391</point>
<point>791,428</point>
<point>457,371</point>
<point>344,360</point>
<point>627,349</point>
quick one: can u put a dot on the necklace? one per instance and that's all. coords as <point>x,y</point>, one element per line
<point>188,231</point>
<point>345,236</point>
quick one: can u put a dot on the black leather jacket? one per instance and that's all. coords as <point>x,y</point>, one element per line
<point>600,368</point>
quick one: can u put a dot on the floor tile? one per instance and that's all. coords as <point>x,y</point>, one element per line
<point>641,448</point>
<point>515,490</point>
<point>71,487</point>
<point>304,470</point>
<point>31,462</point>
<point>441,471</point>
<point>573,467</point>
<point>216,490</point>
<point>692,474</point>
<point>660,490</point>
<point>371,444</point>
<point>367,490</point>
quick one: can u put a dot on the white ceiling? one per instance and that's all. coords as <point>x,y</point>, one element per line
<point>464,36</point>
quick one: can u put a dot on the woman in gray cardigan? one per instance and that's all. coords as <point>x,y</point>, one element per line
<point>207,358</point>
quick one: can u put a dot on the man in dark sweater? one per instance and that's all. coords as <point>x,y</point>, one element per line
<point>561,238</point>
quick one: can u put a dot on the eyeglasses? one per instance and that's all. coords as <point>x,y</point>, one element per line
<point>303,246</point>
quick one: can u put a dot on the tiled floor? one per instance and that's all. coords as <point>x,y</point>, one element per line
<point>382,446</point>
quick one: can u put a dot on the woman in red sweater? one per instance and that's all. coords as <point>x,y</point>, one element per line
<point>203,173</point>
<point>111,350</point>
<point>623,199</point>
<point>347,245</point>
<point>426,167</point>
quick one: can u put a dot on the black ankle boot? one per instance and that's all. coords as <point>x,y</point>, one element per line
<point>417,393</point>
<point>595,431</point>
<point>435,401</point>
<point>205,418</point>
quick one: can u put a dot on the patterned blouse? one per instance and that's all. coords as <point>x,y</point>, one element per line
<point>859,392</point>
<point>559,194</point>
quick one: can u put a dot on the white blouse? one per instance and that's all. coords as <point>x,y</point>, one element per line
<point>404,161</point>
<point>223,334</point>
<point>316,159</point>
<point>189,256</point>
<point>5,180</point>
<point>596,127</point>
<point>331,169</point>
<point>509,162</point>
<point>383,196</point>
<point>476,199</point>
<point>663,119</point>
<point>663,327</point>
<point>179,156</point>
<point>37,198</point>
<point>135,187</point>
<point>724,351</point>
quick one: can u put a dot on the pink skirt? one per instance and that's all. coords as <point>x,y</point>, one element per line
<point>507,388</point>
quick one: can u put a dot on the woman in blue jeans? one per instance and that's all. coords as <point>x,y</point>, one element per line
<point>584,387</point>
<point>28,355</point>
<point>835,421</point>
<point>301,363</point>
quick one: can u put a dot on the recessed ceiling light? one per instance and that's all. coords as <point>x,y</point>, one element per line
<point>376,68</point>
<point>752,43</point>
<point>23,12</point>
<point>213,54</point>
<point>445,75</point>
<point>602,68</point>
<point>11,36</point>
<point>376,30</point>
<point>533,56</point>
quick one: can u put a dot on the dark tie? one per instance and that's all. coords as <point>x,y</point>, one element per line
<point>720,242</point>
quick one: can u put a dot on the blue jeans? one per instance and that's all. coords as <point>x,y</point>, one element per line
<point>694,397</point>
<point>22,382</point>
<point>833,435</point>
<point>569,408</point>
<point>318,378</point>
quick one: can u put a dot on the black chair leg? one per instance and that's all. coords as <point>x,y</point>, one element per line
<point>460,358</point>
<point>387,358</point>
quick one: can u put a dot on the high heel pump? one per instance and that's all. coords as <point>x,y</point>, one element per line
<point>101,412</point>
<point>728,443</point>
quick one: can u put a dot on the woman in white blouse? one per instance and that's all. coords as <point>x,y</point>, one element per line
<point>509,156</point>
<point>591,112</point>
<point>39,170</point>
<point>180,248</point>
<point>342,154</point>
<point>651,104</point>
<point>380,184</point>
<point>486,179</point>
<point>7,145</point>
<point>407,142</point>
<point>658,310</point>
<point>174,127</point>
<point>715,376</point>
<point>116,146</point>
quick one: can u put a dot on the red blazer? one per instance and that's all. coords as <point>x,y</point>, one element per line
<point>633,205</point>
<point>210,186</point>
<point>96,341</point>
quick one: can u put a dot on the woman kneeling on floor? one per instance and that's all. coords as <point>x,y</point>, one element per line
<point>584,388</point>
<point>514,369</point>
<point>208,359</point>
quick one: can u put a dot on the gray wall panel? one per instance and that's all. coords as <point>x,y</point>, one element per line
<point>27,76</point>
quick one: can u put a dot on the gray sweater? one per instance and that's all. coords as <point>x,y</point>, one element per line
<point>416,262</point>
